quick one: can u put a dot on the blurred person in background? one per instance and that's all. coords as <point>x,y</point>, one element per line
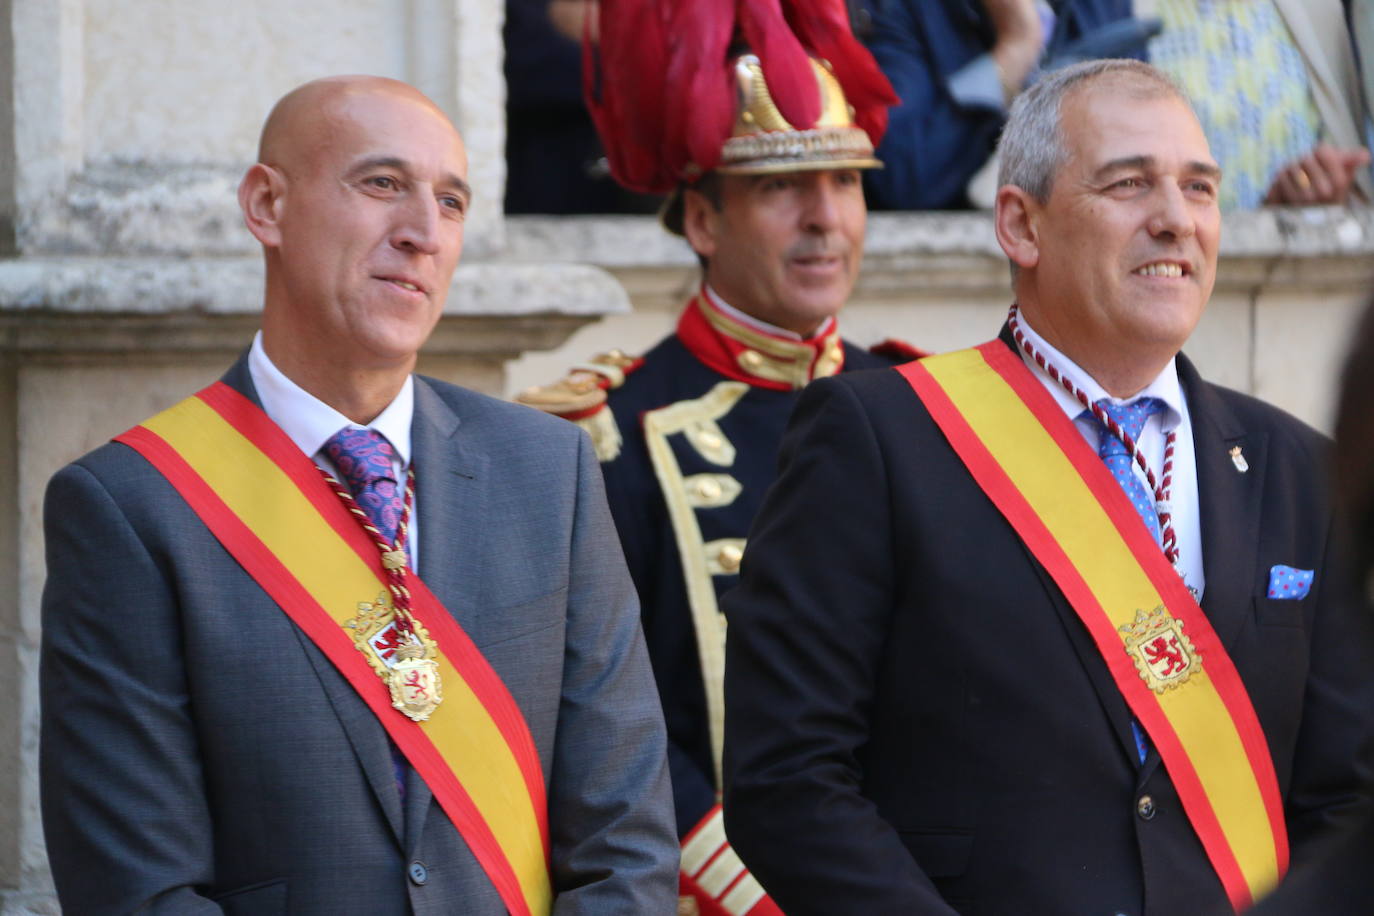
<point>1343,883</point>
<point>957,65</point>
<point>554,160</point>
<point>1276,88</point>
<point>1274,83</point>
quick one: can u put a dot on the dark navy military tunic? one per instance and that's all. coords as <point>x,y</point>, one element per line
<point>672,376</point>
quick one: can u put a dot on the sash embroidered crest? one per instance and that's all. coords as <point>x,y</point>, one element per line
<point>1163,654</point>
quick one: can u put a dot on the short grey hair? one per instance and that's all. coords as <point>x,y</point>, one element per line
<point>1032,148</point>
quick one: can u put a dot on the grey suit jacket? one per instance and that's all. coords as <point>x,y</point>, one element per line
<point>200,754</point>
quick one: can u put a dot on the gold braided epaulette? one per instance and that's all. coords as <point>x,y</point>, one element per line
<point>580,396</point>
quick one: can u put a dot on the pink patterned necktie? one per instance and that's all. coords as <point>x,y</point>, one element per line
<point>363,459</point>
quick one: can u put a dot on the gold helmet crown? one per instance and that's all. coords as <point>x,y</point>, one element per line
<point>763,142</point>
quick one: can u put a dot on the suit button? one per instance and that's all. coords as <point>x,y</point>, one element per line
<point>418,873</point>
<point>1146,808</point>
<point>751,360</point>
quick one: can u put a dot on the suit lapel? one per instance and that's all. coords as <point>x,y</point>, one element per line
<point>450,496</point>
<point>450,493</point>
<point>365,733</point>
<point>1228,504</point>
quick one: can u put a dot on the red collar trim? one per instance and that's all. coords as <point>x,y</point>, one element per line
<point>755,357</point>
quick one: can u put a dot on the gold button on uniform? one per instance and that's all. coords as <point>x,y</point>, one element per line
<point>709,489</point>
<point>729,558</point>
<point>751,359</point>
<point>836,352</point>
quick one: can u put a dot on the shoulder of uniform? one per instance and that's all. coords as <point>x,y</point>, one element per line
<point>583,389</point>
<point>580,396</point>
<point>899,351</point>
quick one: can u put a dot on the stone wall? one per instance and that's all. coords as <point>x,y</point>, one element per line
<point>127,280</point>
<point>1288,287</point>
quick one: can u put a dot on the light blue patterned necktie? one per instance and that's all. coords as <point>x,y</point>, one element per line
<point>1131,418</point>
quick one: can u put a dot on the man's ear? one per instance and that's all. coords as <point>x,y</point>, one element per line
<point>1015,221</point>
<point>262,195</point>
<point>699,218</point>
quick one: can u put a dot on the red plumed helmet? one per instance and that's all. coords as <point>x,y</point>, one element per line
<point>678,88</point>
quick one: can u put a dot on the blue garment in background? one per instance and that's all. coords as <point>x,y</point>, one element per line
<point>938,137</point>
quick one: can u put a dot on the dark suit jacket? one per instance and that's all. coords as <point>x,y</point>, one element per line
<point>917,722</point>
<point>200,754</point>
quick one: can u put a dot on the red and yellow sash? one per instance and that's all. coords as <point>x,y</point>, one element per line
<point>1161,650</point>
<point>269,506</point>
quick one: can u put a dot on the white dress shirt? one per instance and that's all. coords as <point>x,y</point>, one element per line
<point>1186,517</point>
<point>310,422</point>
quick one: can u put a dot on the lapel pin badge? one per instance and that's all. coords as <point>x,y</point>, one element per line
<point>1238,459</point>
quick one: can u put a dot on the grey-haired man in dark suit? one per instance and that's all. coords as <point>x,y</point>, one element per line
<point>924,713</point>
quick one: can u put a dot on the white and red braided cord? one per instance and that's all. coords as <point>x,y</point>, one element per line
<point>1161,488</point>
<point>395,573</point>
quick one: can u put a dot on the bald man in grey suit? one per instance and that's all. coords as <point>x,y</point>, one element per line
<point>200,752</point>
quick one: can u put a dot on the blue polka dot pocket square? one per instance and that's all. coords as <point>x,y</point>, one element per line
<point>1287,582</point>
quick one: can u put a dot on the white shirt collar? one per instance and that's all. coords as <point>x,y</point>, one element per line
<point>1165,386</point>
<point>750,321</point>
<point>309,422</point>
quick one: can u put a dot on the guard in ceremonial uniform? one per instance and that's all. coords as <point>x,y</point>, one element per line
<point>778,118</point>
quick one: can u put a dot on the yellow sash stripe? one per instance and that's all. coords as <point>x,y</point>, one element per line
<point>1044,475</point>
<point>283,518</point>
